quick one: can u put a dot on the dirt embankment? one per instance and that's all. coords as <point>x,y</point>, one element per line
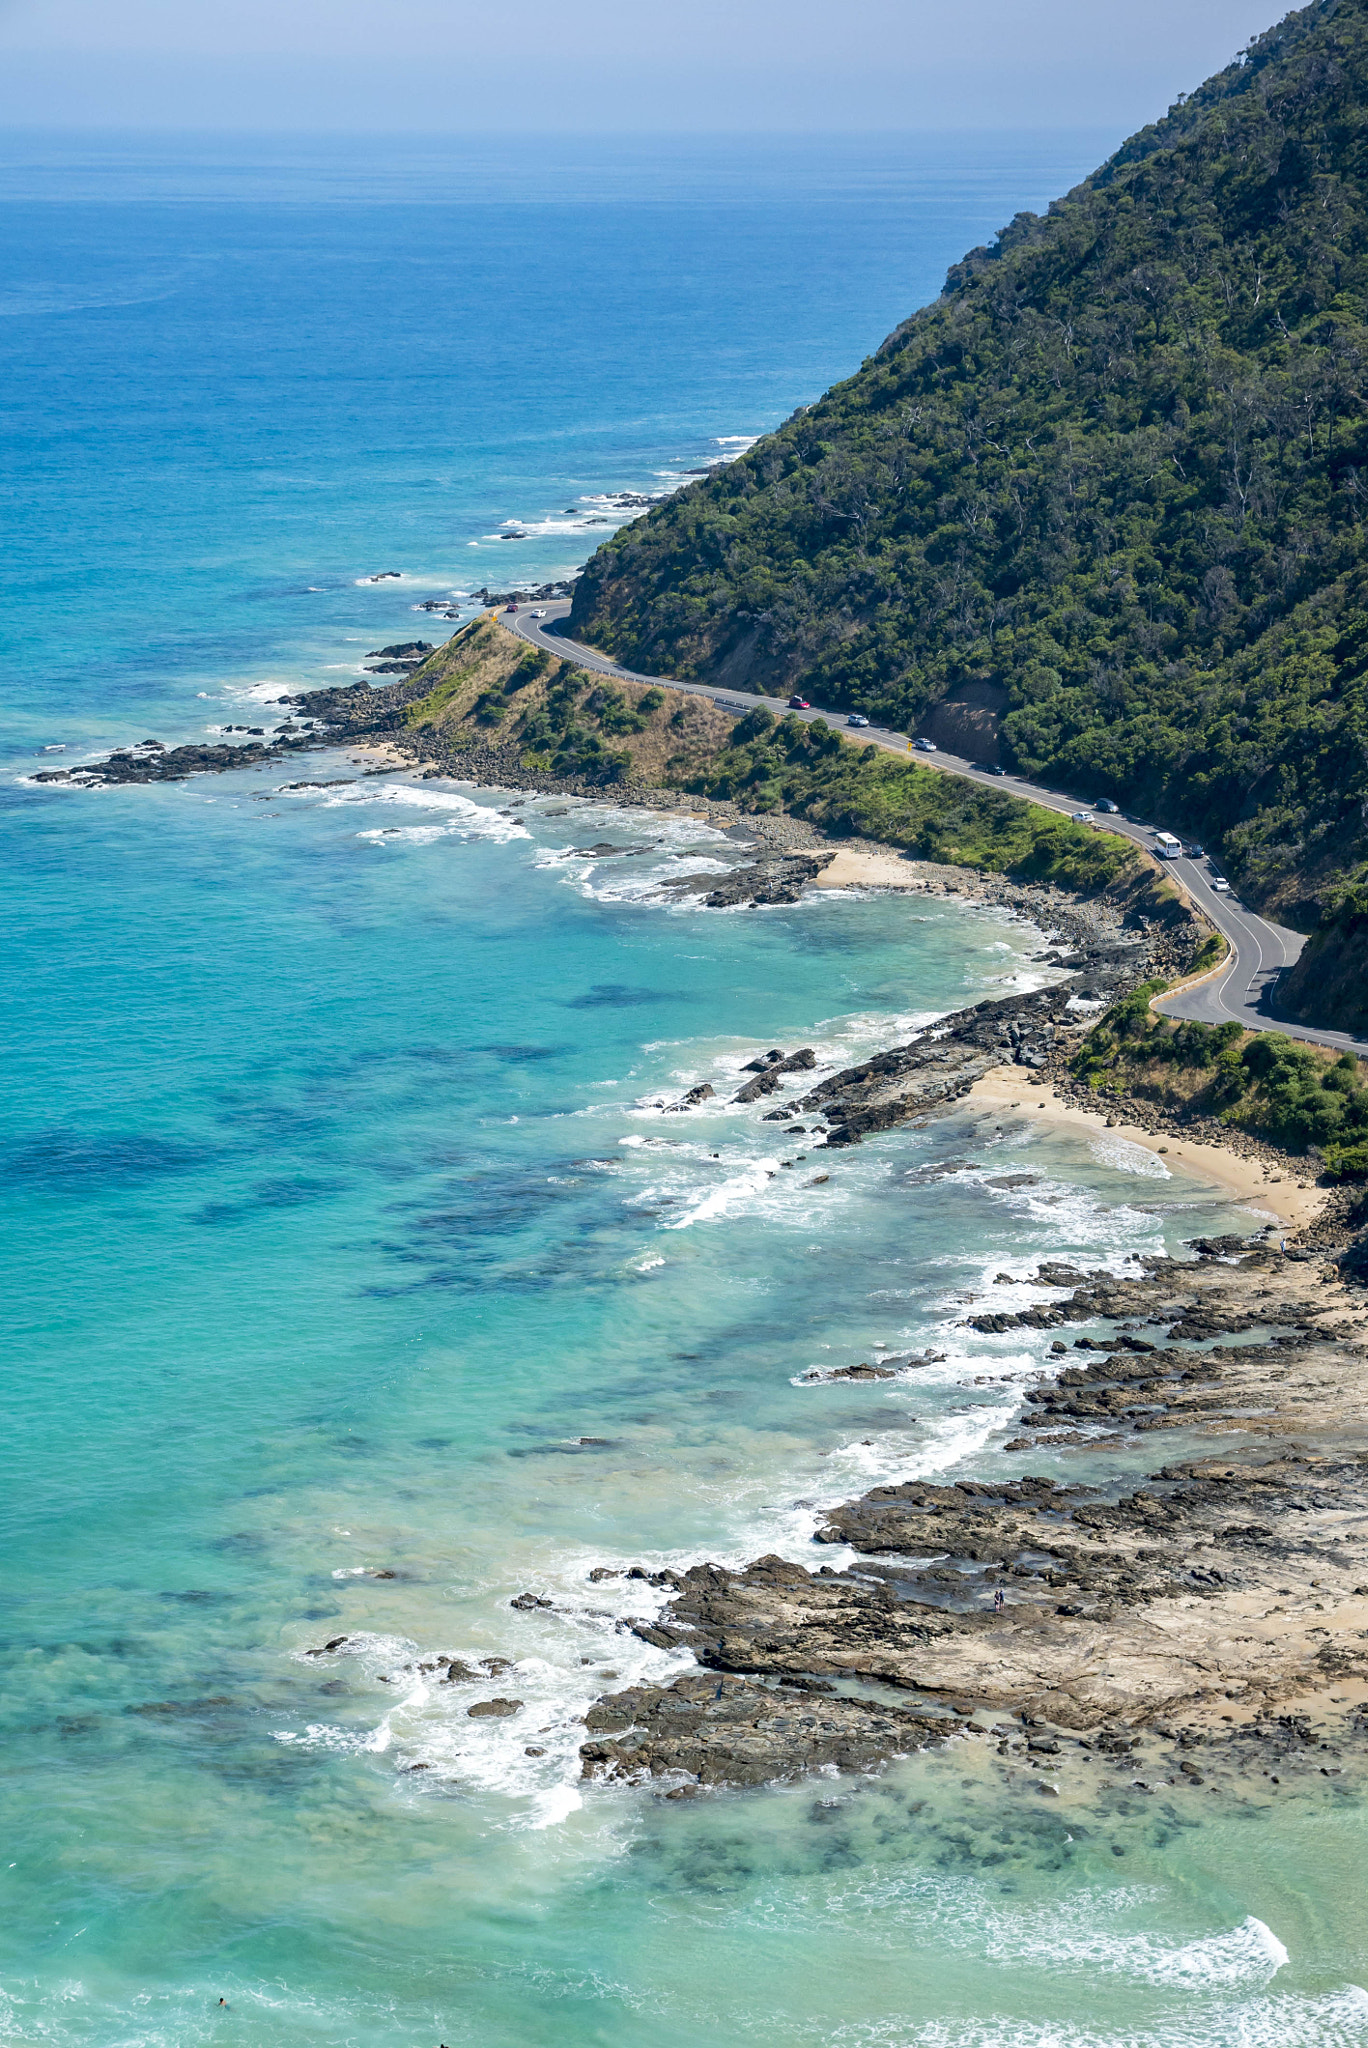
<point>1329,983</point>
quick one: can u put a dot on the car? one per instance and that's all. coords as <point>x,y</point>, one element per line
<point>1081,818</point>
<point>1104,803</point>
<point>925,746</point>
<point>1196,853</point>
<point>1220,885</point>
<point>857,718</point>
<point>987,768</point>
<point>510,608</point>
<point>537,615</point>
<point>797,703</point>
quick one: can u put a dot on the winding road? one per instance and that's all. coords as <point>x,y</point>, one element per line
<point>1240,990</point>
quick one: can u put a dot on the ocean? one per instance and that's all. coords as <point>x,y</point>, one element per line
<point>356,1282</point>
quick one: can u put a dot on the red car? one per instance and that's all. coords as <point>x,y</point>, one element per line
<point>797,703</point>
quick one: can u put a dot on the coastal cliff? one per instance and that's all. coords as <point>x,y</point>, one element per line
<point>1329,983</point>
<point>1099,505</point>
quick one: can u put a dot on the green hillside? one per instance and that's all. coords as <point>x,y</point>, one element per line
<point>1109,490</point>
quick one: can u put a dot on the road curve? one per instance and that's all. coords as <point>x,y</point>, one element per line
<point>1259,950</point>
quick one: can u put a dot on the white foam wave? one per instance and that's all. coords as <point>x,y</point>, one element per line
<point>639,875</point>
<point>938,1445</point>
<point>59,788</point>
<point>842,1041</point>
<point>1333,2019</point>
<point>1127,1158</point>
<point>575,523</point>
<point>561,1660</point>
<point>835,1042</point>
<point>406,835</point>
<point>257,693</point>
<point>734,1196</point>
<point>1250,1954</point>
<point>638,885</point>
<point>463,818</point>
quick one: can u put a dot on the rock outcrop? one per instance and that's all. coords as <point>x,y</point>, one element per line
<point>1238,1574</point>
<point>772,1068</point>
<point>156,763</point>
<point>728,1731</point>
<point>775,878</point>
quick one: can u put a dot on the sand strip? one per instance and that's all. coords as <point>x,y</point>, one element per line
<point>855,867</point>
<point>1248,1180</point>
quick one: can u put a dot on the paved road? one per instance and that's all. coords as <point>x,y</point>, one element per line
<point>1259,950</point>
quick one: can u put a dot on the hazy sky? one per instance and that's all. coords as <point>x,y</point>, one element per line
<point>636,65</point>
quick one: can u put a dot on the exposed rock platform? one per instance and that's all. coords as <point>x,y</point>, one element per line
<point>1237,1570</point>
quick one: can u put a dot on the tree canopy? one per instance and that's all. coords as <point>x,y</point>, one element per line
<point>1117,472</point>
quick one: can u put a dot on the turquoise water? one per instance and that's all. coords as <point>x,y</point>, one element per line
<point>340,1209</point>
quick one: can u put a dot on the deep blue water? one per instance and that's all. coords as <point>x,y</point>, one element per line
<point>339,1211</point>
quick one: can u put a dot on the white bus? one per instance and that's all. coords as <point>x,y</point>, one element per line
<point>1166,846</point>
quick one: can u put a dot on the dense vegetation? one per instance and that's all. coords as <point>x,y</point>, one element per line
<point>565,725</point>
<point>485,688</point>
<point>580,716</point>
<point>1114,479</point>
<point>811,771</point>
<point>1295,1095</point>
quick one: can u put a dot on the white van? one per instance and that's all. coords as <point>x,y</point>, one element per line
<point>1166,846</point>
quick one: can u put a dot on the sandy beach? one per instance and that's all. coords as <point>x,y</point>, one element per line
<point>857,867</point>
<point>382,754</point>
<point>1273,1191</point>
<point>1275,1195</point>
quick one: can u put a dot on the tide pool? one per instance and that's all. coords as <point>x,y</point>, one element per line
<point>357,1281</point>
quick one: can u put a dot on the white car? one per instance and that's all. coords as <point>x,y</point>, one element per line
<point>537,615</point>
<point>925,746</point>
<point>1220,885</point>
<point>1081,817</point>
<point>857,718</point>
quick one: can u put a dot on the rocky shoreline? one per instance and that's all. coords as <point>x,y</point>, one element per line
<point>1056,1624</point>
<point>1105,947</point>
<point>1216,1609</point>
<point>1045,1619</point>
